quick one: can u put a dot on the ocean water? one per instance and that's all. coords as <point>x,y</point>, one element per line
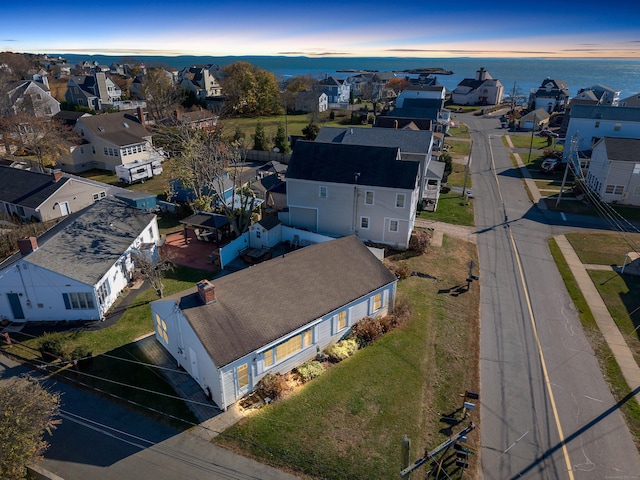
<point>525,74</point>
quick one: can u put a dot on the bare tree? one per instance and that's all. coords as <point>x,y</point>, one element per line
<point>160,93</point>
<point>205,163</point>
<point>153,269</point>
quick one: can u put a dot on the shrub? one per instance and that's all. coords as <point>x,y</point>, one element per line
<point>401,312</point>
<point>81,351</point>
<point>272,385</point>
<point>309,370</point>
<point>419,241</point>
<point>367,330</point>
<point>341,350</point>
<point>53,343</point>
<point>402,270</point>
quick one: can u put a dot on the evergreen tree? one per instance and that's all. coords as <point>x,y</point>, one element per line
<point>259,138</point>
<point>311,131</point>
<point>281,141</point>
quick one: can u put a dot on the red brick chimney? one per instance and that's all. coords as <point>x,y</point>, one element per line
<point>27,245</point>
<point>140,112</point>
<point>207,291</point>
<point>56,174</point>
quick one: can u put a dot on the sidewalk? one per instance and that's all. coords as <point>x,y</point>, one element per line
<point>529,182</point>
<point>607,326</point>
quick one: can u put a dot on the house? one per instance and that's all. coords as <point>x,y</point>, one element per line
<point>424,102</point>
<point>605,94</point>
<point>230,332</point>
<point>97,92</point>
<point>589,123</point>
<point>614,170</point>
<point>77,269</point>
<point>201,80</point>
<point>552,96</point>
<point>631,101</point>
<point>311,102</point>
<point>337,90</point>
<point>481,90</point>
<point>30,97</point>
<point>340,189</point>
<point>414,145</point>
<point>109,140</point>
<point>534,120</point>
<point>42,197</point>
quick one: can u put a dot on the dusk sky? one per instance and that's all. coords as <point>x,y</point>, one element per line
<point>568,29</point>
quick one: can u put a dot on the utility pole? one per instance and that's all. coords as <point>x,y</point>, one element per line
<point>533,129</point>
<point>572,152</point>
<point>466,173</point>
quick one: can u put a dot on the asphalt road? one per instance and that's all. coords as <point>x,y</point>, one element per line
<point>546,411</point>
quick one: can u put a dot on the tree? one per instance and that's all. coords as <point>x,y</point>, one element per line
<point>281,140</point>
<point>153,269</point>
<point>448,167</point>
<point>27,411</point>
<point>397,85</point>
<point>300,83</point>
<point>260,138</point>
<point>160,93</point>
<point>250,90</point>
<point>311,131</point>
<point>205,163</point>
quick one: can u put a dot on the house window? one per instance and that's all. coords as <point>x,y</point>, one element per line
<point>293,345</point>
<point>20,210</point>
<point>377,302</point>
<point>78,301</point>
<point>614,189</point>
<point>243,375</point>
<point>597,124</point>
<point>103,291</point>
<point>268,357</point>
<point>161,328</point>
<point>98,196</point>
<point>342,320</point>
<point>400,200</point>
<point>106,151</point>
<point>393,225</point>
<point>636,191</point>
<point>368,197</point>
<point>636,168</point>
<point>617,127</point>
<point>47,110</point>
<point>258,234</point>
<point>93,149</point>
<point>364,223</point>
<point>323,191</point>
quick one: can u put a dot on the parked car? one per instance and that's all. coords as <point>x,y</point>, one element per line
<point>549,165</point>
<point>469,194</point>
<point>548,133</point>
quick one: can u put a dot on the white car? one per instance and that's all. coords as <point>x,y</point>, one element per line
<point>469,194</point>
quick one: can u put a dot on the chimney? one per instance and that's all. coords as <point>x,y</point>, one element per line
<point>27,245</point>
<point>207,291</point>
<point>56,174</point>
<point>140,115</point>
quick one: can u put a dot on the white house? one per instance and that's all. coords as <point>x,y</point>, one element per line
<point>614,170</point>
<point>311,101</point>
<point>96,91</point>
<point>339,189</point>
<point>77,269</point>
<point>230,332</point>
<point>109,140</point>
<point>481,90</point>
<point>589,123</point>
<point>552,96</point>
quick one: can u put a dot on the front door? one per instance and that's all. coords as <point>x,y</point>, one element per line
<point>16,306</point>
<point>64,208</point>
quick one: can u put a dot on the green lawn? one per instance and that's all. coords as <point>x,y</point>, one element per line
<point>524,141</point>
<point>458,147</point>
<point>348,423</point>
<point>451,209</point>
<point>604,248</point>
<point>460,131</point>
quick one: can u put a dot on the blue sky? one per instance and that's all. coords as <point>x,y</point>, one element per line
<point>462,28</point>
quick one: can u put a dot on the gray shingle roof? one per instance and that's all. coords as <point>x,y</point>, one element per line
<point>622,149</point>
<point>87,246</point>
<point>337,163</point>
<point>408,141</point>
<point>26,188</point>
<point>602,112</point>
<point>111,127</point>
<point>262,304</point>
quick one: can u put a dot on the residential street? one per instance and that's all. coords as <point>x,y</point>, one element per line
<point>546,411</point>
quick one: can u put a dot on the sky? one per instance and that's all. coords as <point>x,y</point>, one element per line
<point>356,28</point>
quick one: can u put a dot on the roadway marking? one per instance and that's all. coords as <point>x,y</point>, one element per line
<point>545,372</point>
<point>517,440</point>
